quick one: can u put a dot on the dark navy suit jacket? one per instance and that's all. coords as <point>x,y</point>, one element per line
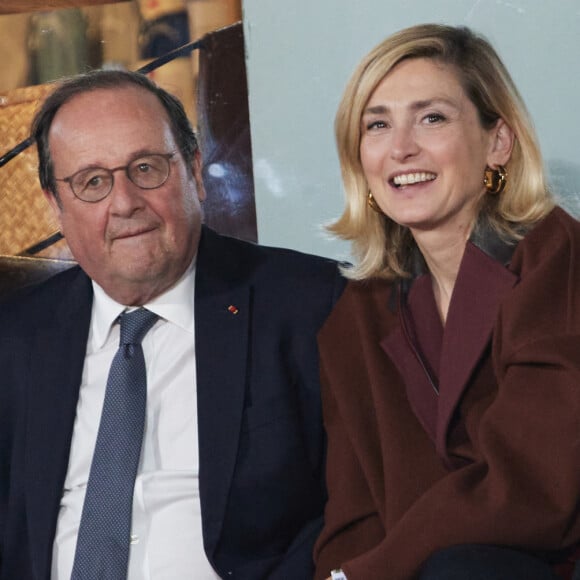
<point>261,437</point>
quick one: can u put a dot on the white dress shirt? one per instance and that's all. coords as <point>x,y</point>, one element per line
<point>166,539</point>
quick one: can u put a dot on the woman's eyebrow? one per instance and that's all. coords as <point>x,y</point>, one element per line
<point>415,105</point>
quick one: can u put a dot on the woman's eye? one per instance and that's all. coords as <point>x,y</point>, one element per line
<point>432,118</point>
<point>372,125</point>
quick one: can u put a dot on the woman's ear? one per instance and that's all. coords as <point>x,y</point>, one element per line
<point>501,146</point>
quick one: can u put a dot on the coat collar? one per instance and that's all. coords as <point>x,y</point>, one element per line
<point>482,282</point>
<point>484,237</point>
<point>481,285</point>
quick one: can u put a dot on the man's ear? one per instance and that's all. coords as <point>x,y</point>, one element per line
<point>502,144</point>
<point>54,203</point>
<point>196,170</point>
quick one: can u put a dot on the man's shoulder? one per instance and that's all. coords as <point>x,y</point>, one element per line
<point>249,256</point>
<point>44,297</point>
<point>302,285</point>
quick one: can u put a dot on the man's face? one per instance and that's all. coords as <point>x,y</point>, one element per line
<point>135,243</point>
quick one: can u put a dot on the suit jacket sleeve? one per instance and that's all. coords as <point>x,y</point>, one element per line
<point>298,560</point>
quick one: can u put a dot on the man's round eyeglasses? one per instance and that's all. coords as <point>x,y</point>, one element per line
<point>95,183</point>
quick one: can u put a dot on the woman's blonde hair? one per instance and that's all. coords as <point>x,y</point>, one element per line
<point>381,247</point>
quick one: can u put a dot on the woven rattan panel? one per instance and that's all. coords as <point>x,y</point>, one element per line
<point>25,216</point>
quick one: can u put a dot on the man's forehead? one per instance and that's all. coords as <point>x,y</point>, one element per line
<point>124,104</point>
<point>117,98</point>
<point>109,125</point>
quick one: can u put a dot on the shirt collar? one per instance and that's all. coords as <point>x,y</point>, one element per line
<point>176,305</point>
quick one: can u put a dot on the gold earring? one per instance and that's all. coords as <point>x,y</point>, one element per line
<point>495,180</point>
<point>372,203</point>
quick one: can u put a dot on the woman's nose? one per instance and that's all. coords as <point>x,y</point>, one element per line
<point>403,143</point>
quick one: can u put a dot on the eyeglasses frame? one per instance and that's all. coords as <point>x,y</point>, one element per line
<point>111,172</point>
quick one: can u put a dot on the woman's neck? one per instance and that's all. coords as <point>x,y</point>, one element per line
<point>443,254</point>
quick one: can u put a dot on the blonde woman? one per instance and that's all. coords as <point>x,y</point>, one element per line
<point>451,364</point>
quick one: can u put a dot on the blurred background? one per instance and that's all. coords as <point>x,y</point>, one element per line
<point>42,42</point>
<point>300,55</point>
<point>262,92</point>
<point>47,44</point>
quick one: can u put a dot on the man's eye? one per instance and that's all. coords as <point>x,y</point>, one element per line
<point>144,168</point>
<point>92,182</point>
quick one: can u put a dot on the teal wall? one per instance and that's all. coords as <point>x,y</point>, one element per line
<point>300,54</point>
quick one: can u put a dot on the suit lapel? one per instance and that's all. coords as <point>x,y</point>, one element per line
<point>57,357</point>
<point>223,317</point>
<point>481,284</point>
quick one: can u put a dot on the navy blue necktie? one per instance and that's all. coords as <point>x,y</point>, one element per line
<point>102,551</point>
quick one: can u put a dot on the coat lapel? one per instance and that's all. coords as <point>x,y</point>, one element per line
<point>223,317</point>
<point>56,363</point>
<point>418,384</point>
<point>481,284</point>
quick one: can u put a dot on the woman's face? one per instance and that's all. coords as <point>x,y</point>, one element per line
<point>423,149</point>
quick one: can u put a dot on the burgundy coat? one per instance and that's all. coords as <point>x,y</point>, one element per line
<point>500,463</point>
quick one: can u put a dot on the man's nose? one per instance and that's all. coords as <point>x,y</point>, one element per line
<point>125,196</point>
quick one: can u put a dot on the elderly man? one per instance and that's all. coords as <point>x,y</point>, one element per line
<point>159,404</point>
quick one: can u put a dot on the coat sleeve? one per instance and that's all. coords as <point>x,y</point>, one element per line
<point>358,521</point>
<point>522,489</point>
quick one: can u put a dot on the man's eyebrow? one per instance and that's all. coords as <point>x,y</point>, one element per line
<point>133,157</point>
